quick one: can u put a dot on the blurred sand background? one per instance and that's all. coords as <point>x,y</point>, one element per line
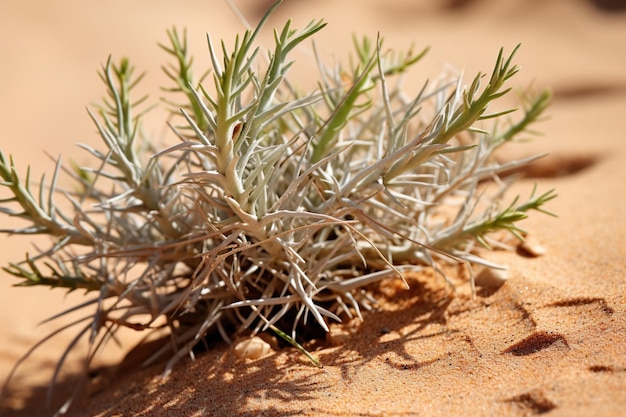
<point>551,340</point>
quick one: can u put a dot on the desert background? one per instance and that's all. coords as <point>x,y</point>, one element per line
<point>551,340</point>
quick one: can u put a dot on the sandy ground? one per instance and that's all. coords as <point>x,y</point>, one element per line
<point>551,340</point>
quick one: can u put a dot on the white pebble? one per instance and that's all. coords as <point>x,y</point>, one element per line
<point>490,277</point>
<point>252,348</point>
<point>531,247</point>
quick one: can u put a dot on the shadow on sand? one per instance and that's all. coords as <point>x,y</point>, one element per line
<point>226,386</point>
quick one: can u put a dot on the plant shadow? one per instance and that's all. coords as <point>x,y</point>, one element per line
<point>404,319</point>
<point>222,385</point>
<point>218,383</point>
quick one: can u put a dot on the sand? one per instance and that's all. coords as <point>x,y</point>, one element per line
<point>551,340</point>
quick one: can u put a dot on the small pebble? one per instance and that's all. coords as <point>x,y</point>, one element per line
<point>492,278</point>
<point>252,348</point>
<point>531,247</point>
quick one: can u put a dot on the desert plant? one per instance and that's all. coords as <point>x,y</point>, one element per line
<point>275,208</point>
